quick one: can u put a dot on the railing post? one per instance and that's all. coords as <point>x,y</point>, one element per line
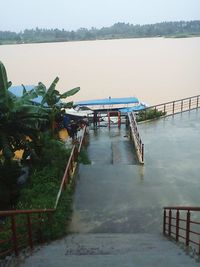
<point>119,120</point>
<point>170,222</point>
<point>14,235</point>
<point>187,241</point>
<point>189,103</point>
<point>197,101</point>
<point>99,115</point>
<point>142,152</point>
<point>177,225</point>
<point>164,108</point>
<point>164,221</point>
<point>109,119</point>
<point>40,228</point>
<point>199,249</point>
<point>173,107</point>
<point>181,105</point>
<point>29,226</point>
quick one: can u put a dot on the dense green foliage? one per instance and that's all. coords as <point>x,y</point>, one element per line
<point>118,30</point>
<point>83,157</point>
<point>26,126</point>
<point>41,190</point>
<point>9,190</point>
<point>149,114</point>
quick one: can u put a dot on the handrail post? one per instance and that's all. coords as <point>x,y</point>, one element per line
<point>14,235</point>
<point>177,225</point>
<point>181,105</point>
<point>142,152</point>
<point>109,119</point>
<point>197,101</point>
<point>40,228</point>
<point>164,221</point>
<point>189,103</point>
<point>173,107</point>
<point>29,226</point>
<point>187,241</point>
<point>119,119</point>
<point>170,222</point>
<point>199,249</point>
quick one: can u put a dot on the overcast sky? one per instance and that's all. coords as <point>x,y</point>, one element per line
<point>18,15</point>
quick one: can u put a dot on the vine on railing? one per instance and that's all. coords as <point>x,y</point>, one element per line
<point>26,228</point>
<point>183,225</point>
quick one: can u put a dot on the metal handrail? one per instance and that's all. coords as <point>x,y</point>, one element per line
<point>136,137</point>
<point>179,224</point>
<point>176,106</point>
<point>12,214</point>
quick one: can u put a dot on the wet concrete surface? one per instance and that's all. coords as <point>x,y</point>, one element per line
<point>111,146</point>
<point>122,250</point>
<point>128,198</point>
<point>118,203</point>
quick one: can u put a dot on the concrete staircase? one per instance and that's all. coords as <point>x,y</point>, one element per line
<point>107,250</point>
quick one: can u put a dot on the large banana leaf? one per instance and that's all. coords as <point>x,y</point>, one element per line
<point>70,92</point>
<point>40,89</point>
<point>50,96</point>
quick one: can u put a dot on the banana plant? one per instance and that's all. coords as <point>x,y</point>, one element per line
<point>53,99</point>
<point>19,118</point>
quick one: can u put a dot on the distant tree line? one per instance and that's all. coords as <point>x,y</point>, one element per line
<point>118,30</point>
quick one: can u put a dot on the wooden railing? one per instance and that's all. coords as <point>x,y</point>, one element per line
<point>183,225</point>
<point>134,133</point>
<point>176,106</point>
<point>27,228</point>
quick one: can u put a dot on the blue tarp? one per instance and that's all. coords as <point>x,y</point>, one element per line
<point>18,91</point>
<point>108,101</point>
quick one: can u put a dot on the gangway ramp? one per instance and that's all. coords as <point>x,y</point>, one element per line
<point>111,146</point>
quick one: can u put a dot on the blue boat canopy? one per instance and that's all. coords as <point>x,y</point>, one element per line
<point>108,101</point>
<point>130,109</point>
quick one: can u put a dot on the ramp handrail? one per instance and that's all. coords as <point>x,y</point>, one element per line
<point>136,137</point>
<point>183,225</point>
<point>27,227</point>
<point>176,106</point>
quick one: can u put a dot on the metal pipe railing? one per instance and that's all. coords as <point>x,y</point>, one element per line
<point>183,225</point>
<point>136,137</point>
<point>175,106</point>
<point>30,223</point>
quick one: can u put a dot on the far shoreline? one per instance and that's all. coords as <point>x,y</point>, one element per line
<point>101,39</point>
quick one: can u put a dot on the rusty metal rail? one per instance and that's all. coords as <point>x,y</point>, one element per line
<point>134,133</point>
<point>183,225</point>
<point>27,228</point>
<point>176,106</point>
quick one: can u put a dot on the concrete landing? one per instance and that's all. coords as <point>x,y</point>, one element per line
<point>120,250</point>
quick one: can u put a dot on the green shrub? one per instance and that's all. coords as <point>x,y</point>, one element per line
<point>9,172</point>
<point>149,114</point>
<point>83,157</point>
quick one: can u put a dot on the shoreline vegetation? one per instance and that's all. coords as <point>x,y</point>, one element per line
<point>179,29</point>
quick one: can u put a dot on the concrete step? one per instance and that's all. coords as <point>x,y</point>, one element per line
<point>122,250</point>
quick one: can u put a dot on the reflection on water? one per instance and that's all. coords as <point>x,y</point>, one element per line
<point>153,69</point>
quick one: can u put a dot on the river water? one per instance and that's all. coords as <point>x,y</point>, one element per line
<point>153,69</point>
